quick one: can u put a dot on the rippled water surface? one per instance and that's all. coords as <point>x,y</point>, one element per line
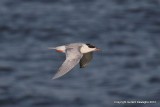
<point>127,68</point>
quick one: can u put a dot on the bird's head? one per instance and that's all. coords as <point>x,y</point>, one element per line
<point>88,48</point>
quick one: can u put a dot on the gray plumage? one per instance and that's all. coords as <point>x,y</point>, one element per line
<point>75,53</point>
<point>73,57</point>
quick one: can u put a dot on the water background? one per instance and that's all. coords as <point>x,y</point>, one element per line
<point>127,68</point>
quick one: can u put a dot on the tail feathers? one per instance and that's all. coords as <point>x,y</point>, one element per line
<point>51,47</point>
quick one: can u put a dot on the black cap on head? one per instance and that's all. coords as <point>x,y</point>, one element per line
<point>90,46</point>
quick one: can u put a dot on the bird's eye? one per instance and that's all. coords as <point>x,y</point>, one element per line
<point>90,46</point>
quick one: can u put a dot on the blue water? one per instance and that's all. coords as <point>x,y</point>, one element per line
<point>127,68</point>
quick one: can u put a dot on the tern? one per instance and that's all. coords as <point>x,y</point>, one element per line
<point>75,53</point>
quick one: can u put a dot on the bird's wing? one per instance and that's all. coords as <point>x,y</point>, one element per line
<point>73,57</point>
<point>87,57</point>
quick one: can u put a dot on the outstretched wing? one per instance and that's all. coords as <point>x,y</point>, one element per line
<point>87,57</point>
<point>73,57</point>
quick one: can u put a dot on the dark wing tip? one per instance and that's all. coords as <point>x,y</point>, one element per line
<point>81,65</point>
<point>85,60</point>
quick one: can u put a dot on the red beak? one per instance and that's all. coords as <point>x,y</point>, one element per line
<point>97,49</point>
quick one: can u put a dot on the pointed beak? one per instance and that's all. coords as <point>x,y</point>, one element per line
<point>97,49</point>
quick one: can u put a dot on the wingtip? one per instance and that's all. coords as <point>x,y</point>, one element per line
<point>56,77</point>
<point>53,78</point>
<point>82,67</point>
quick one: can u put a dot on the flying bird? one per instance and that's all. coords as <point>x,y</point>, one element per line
<point>75,53</point>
